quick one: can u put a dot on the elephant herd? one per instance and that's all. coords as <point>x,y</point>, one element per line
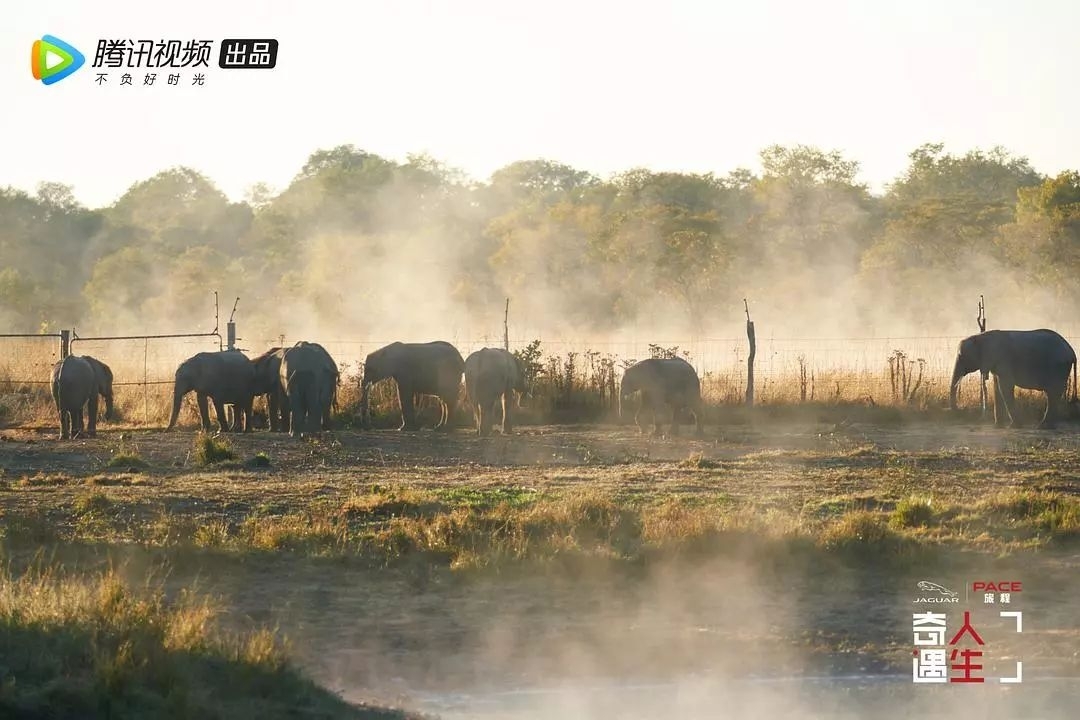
<point>300,383</point>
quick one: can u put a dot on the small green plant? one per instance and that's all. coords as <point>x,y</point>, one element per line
<point>92,502</point>
<point>125,458</point>
<point>210,450</point>
<point>912,512</point>
<point>261,460</point>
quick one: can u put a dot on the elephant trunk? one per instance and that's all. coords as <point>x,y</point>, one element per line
<point>178,395</point>
<point>109,406</point>
<point>954,386</point>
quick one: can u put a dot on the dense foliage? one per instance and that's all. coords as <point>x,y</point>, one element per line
<point>357,239</point>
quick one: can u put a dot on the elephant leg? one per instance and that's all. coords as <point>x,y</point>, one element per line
<point>1007,393</point>
<point>1047,422</point>
<point>654,406</point>
<point>478,413</point>
<point>271,421</point>
<point>65,424</point>
<point>77,423</point>
<point>223,420</point>
<point>60,412</point>
<point>204,410</point>
<point>445,403</point>
<point>675,419</point>
<point>1054,405</point>
<point>91,416</point>
<point>406,398</point>
<point>999,404</point>
<point>298,423</point>
<point>483,410</point>
<point>507,402</point>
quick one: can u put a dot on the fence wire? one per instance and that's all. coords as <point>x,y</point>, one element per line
<point>883,369</point>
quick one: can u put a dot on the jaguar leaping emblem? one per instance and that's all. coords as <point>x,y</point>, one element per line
<point>927,586</point>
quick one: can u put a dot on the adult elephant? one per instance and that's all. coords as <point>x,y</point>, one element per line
<point>1029,359</point>
<point>227,377</point>
<point>268,384</point>
<point>309,377</point>
<point>432,368</point>
<point>75,386</point>
<point>491,377</point>
<point>670,382</point>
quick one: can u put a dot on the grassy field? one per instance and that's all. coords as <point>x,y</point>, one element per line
<point>398,563</point>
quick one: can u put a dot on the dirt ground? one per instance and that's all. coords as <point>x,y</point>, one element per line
<point>438,641</point>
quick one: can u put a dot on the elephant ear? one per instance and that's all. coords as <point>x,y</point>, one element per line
<point>982,350</point>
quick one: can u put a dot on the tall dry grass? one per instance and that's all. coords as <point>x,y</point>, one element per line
<point>568,387</point>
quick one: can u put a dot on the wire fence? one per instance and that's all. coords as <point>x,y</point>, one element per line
<point>882,369</point>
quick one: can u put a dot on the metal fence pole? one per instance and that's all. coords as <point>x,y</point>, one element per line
<point>231,334</point>
<point>146,385</point>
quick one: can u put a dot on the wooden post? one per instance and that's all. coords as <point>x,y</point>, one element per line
<point>981,320</point>
<point>506,327</point>
<point>65,343</point>
<point>750,359</point>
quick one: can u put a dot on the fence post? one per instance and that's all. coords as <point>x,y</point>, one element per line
<point>231,335</point>
<point>65,343</point>
<point>750,335</point>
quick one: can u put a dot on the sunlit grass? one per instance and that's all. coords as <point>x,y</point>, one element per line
<point>95,646</point>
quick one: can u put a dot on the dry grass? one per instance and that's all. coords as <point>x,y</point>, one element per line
<point>507,526</point>
<point>569,387</point>
<point>96,647</point>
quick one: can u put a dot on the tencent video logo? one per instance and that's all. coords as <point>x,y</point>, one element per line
<point>52,59</point>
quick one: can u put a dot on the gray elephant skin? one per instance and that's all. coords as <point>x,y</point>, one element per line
<point>492,375</point>
<point>432,368</point>
<point>662,382</point>
<point>1029,359</point>
<point>308,377</point>
<point>268,384</point>
<point>76,383</point>
<point>226,377</point>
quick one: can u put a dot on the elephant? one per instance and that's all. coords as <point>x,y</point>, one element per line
<point>432,368</point>
<point>1030,359</point>
<point>227,377</point>
<point>671,381</point>
<point>491,377</point>
<point>75,386</point>
<point>309,377</point>
<point>268,383</point>
<point>103,378</point>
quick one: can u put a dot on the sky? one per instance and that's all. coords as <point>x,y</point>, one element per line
<point>601,85</point>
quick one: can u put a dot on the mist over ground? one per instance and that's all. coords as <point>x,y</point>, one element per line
<point>361,247</point>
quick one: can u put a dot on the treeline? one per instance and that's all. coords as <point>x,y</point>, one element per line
<point>363,245</point>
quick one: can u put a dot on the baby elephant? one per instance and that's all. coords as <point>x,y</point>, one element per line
<point>671,382</point>
<point>491,377</point>
<point>76,383</point>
